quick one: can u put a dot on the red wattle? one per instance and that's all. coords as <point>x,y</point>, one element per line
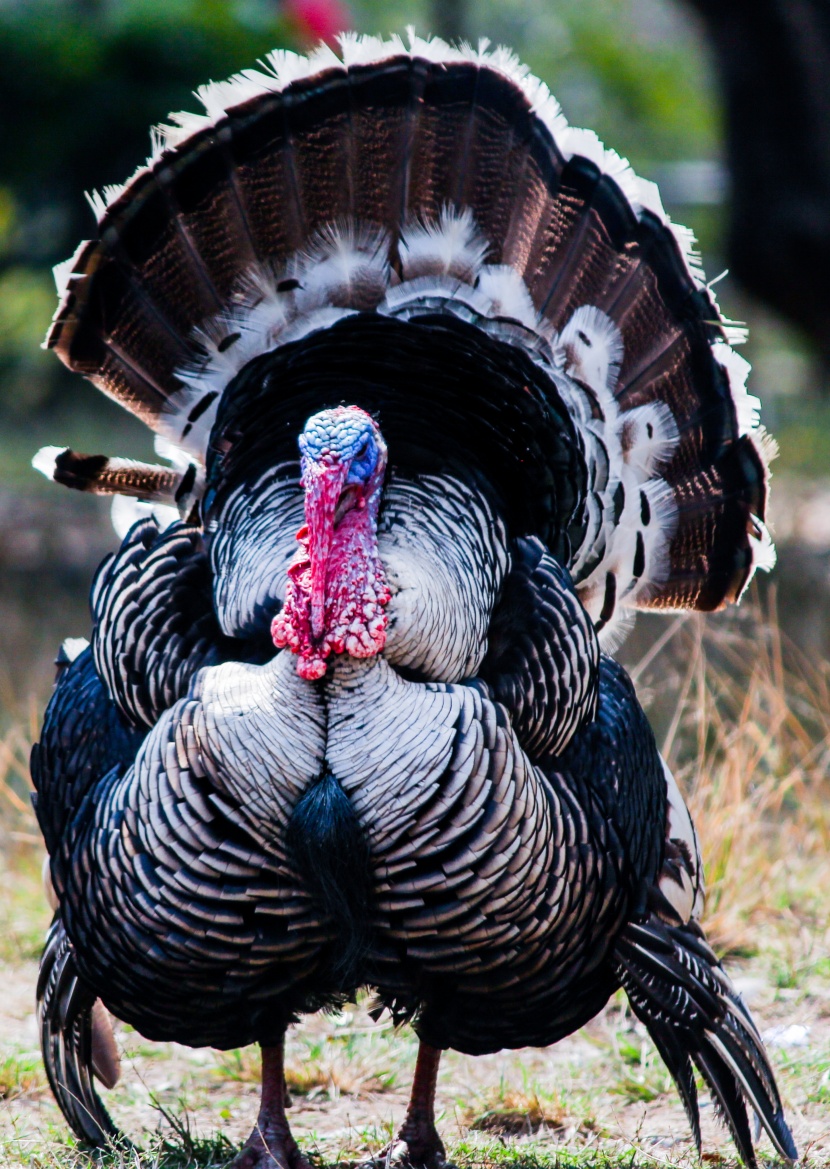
<point>355,592</point>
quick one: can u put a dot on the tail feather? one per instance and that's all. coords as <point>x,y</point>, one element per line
<point>680,992</point>
<point>592,218</point>
<point>728,1100</point>
<point>677,1060</point>
<point>267,175</point>
<point>105,1057</point>
<point>210,212</point>
<point>66,1019</point>
<point>103,475</point>
<point>153,245</point>
<point>380,191</point>
<point>486,145</point>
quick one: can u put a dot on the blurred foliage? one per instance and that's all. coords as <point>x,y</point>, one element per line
<point>80,86</point>
<point>85,82</point>
<point>26,301</point>
<point>802,431</point>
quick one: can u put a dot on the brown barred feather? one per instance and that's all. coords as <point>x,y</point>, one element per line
<point>103,475</point>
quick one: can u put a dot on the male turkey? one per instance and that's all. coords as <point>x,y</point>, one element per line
<point>519,419</point>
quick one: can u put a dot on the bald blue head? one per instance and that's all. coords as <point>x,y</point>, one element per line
<point>344,436</point>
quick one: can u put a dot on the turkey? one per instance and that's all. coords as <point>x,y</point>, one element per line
<point>443,400</point>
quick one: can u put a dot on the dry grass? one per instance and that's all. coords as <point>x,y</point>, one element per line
<point>17,822</point>
<point>749,740</point>
<point>354,1057</point>
<point>744,720</point>
<point>512,1112</point>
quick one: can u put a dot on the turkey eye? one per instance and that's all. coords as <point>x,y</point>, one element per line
<point>362,450</point>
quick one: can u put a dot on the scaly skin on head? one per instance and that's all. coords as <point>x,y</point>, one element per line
<point>336,590</point>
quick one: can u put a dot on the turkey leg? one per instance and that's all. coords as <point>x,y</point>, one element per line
<point>418,1143</point>
<point>271,1145</point>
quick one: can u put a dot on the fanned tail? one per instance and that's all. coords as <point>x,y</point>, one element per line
<point>415,181</point>
<point>678,989</point>
<point>70,1032</point>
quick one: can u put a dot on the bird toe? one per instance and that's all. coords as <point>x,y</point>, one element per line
<point>411,1154</point>
<point>268,1150</point>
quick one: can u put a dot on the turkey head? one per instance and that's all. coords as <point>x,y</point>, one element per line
<point>336,591</point>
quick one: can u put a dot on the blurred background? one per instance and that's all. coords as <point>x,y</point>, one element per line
<point>684,88</point>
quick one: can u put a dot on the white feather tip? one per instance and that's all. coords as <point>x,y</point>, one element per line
<point>45,459</point>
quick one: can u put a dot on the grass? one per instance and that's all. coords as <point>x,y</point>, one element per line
<point>749,740</point>
<point>516,1113</point>
<point>744,720</point>
<point>21,1074</point>
<point>354,1057</point>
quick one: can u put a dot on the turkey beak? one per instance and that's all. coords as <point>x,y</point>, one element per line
<point>324,483</point>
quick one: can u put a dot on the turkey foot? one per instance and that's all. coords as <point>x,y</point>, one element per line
<point>418,1145</point>
<point>271,1145</point>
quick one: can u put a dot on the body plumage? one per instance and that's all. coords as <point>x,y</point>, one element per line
<point>349,721</point>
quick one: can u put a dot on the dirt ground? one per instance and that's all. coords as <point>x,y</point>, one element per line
<point>601,1089</point>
